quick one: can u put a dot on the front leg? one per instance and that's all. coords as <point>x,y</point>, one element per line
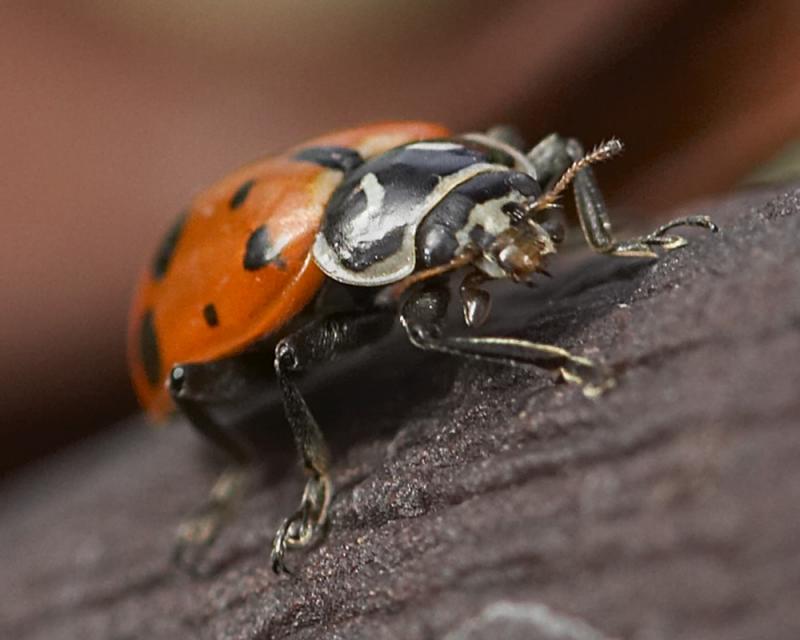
<point>317,342</point>
<point>555,157</point>
<point>423,317</point>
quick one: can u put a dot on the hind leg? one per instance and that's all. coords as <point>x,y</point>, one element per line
<point>193,386</point>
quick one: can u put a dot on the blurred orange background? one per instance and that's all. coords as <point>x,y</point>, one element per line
<point>114,113</point>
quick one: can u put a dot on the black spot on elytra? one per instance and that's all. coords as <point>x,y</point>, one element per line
<point>338,158</point>
<point>240,195</point>
<point>148,346</point>
<point>259,251</point>
<point>167,248</point>
<point>210,315</point>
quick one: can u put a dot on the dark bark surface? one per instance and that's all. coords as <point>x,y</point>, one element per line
<point>476,501</point>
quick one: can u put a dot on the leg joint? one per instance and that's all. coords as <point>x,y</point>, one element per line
<point>287,358</point>
<point>177,377</point>
<point>421,335</point>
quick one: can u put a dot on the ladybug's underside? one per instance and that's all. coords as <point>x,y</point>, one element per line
<point>398,205</point>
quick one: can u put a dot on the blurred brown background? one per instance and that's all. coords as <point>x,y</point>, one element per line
<point>113,113</point>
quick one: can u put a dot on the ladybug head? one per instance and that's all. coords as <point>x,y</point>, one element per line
<point>521,250</point>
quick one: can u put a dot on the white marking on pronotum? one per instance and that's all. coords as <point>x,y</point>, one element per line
<point>435,146</point>
<point>536,617</point>
<point>490,216</point>
<point>363,225</point>
<point>521,161</point>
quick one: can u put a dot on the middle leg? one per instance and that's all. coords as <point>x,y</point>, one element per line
<point>317,342</point>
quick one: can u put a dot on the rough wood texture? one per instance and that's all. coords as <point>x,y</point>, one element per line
<point>475,501</point>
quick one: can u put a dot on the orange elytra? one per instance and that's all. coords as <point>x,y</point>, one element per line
<point>200,299</point>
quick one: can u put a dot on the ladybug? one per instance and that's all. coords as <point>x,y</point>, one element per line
<point>385,213</point>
